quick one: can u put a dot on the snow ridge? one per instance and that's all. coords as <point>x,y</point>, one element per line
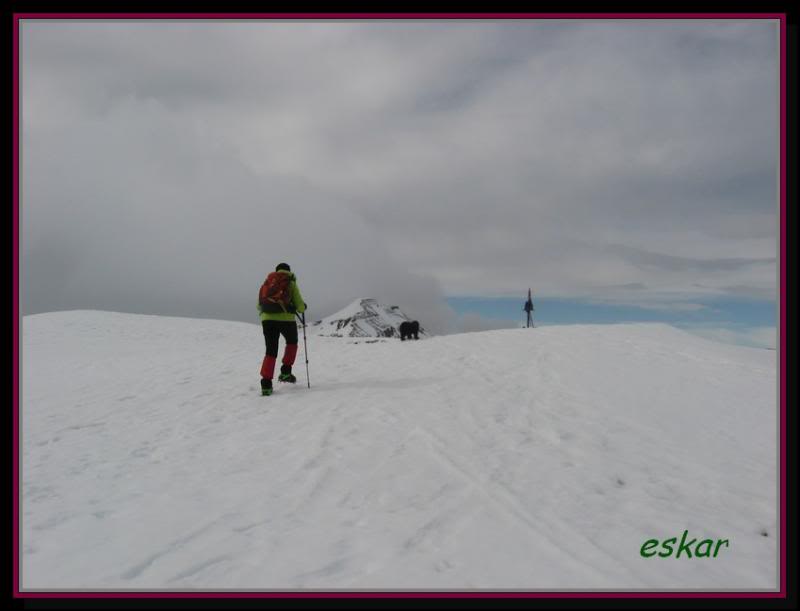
<point>517,459</point>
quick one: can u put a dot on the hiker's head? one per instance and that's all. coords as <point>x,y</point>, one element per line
<point>281,266</point>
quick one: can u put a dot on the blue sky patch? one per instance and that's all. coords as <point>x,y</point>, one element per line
<point>736,320</point>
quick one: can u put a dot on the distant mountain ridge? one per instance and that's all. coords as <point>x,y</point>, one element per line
<point>363,318</point>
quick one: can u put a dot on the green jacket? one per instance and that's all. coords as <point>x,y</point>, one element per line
<point>297,302</point>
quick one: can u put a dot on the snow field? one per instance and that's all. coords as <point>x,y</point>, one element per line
<point>515,459</point>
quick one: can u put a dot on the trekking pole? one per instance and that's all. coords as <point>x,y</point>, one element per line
<point>305,345</point>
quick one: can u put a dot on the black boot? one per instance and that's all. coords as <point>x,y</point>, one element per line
<point>286,374</point>
<point>266,387</point>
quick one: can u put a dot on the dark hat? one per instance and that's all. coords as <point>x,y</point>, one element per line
<point>283,266</point>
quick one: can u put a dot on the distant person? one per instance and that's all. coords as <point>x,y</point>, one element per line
<point>278,300</point>
<point>409,329</point>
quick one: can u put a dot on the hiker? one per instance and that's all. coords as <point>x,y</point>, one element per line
<point>409,329</point>
<point>279,299</point>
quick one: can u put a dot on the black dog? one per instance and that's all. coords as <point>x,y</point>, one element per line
<point>408,329</point>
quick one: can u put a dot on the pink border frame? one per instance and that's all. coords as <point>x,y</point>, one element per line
<point>781,593</point>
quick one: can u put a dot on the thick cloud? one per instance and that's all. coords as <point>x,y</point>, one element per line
<point>188,229</point>
<point>168,166</point>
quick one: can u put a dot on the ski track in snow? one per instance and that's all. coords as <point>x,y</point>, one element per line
<point>520,459</point>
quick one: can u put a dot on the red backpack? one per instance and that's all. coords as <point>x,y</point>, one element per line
<point>275,294</point>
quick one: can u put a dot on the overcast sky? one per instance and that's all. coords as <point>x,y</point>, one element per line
<point>168,166</point>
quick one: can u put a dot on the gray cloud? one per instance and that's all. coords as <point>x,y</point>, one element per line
<point>168,166</point>
<point>656,261</point>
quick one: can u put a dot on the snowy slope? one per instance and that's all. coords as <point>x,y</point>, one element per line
<point>363,318</point>
<point>523,458</point>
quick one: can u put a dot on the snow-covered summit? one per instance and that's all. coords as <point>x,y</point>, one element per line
<point>513,459</point>
<point>363,318</point>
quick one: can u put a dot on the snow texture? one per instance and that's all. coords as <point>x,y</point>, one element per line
<point>363,318</point>
<point>514,459</point>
